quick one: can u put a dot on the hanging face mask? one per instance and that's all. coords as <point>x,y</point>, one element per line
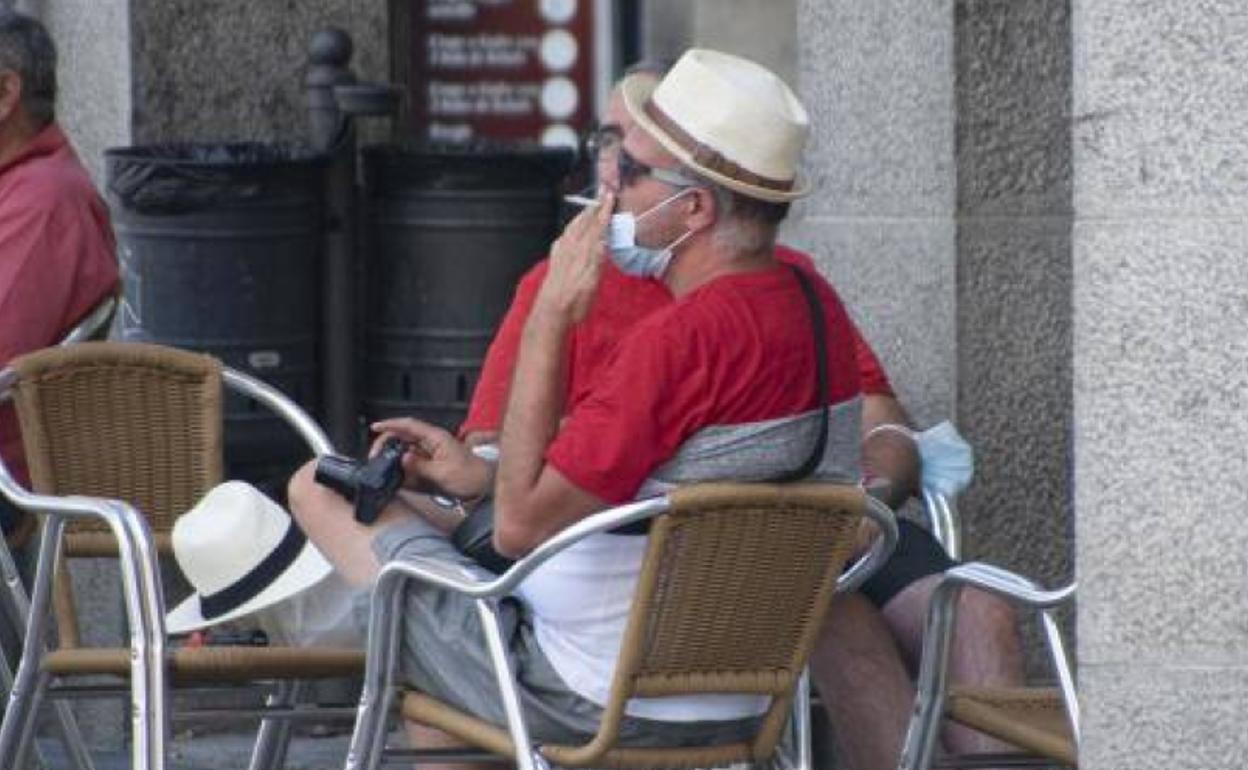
<point>948,462</point>
<point>641,261</point>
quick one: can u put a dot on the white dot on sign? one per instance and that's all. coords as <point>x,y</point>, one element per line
<point>557,11</point>
<point>559,98</point>
<point>558,50</point>
<point>559,135</point>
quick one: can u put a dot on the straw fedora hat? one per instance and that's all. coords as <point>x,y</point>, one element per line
<point>241,552</point>
<point>727,118</point>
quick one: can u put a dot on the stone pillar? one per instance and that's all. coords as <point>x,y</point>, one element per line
<point>878,80</point>
<point>1160,381</point>
<point>1013,76</point>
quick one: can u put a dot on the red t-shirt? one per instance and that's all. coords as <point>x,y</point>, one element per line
<point>732,352</point>
<point>58,258</point>
<point>621,302</point>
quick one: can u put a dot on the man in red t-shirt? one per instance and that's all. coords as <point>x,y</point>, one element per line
<point>719,382</point>
<point>988,648</point>
<point>57,253</point>
<point>592,457</point>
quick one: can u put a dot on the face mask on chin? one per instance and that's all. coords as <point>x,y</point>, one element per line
<point>635,260</point>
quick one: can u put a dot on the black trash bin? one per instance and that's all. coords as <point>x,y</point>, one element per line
<point>220,251</point>
<point>450,230</point>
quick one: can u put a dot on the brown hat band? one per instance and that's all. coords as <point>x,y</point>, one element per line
<point>708,157</point>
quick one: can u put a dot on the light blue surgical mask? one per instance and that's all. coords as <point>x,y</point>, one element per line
<point>947,460</point>
<point>640,261</point>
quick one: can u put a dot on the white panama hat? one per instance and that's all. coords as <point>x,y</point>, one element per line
<point>241,552</point>
<point>727,118</point>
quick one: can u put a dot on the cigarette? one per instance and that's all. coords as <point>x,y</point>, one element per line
<point>580,200</point>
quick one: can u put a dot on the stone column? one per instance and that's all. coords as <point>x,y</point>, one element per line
<point>1013,78</point>
<point>1160,148</point>
<point>878,80</point>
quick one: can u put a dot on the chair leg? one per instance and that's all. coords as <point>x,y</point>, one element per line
<point>368,738</point>
<point>801,722</point>
<point>516,726</point>
<point>71,737</point>
<point>273,740</point>
<point>17,609</point>
<point>17,732</point>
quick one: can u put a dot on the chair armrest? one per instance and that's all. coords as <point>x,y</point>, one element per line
<point>1019,590</point>
<point>455,579</point>
<point>94,322</point>
<point>279,403</point>
<point>1007,584</point>
<point>879,552</point>
<point>141,586</point>
<point>943,520</point>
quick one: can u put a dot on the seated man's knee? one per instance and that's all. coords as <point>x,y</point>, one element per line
<point>986,610</point>
<point>302,491</point>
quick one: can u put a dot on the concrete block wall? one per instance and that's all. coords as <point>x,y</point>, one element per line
<point>1160,382</point>
<point>877,79</point>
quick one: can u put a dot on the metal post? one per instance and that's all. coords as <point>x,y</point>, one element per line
<point>331,132</point>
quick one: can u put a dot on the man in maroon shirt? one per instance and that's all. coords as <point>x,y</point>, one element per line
<point>57,253</point>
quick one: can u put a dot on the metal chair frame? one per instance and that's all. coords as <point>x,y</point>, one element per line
<point>377,698</point>
<point>144,606</point>
<point>919,752</point>
<point>16,603</point>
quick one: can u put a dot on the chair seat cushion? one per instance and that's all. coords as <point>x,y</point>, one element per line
<point>217,664</point>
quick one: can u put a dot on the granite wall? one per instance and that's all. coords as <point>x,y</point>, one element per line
<point>1160,309</point>
<point>877,80</point>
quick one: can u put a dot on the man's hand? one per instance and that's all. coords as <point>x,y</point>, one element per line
<point>435,457</point>
<point>891,460</point>
<point>576,263</point>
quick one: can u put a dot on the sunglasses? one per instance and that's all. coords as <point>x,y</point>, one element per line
<point>602,140</point>
<point>605,141</point>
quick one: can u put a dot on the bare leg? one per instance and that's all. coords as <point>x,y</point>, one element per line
<point>329,522</point>
<point>424,737</point>
<point>986,649</point>
<point>863,683</point>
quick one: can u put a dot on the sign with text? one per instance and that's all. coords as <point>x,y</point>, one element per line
<point>502,70</point>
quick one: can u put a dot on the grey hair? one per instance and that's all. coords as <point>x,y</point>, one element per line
<point>743,224</point>
<point>27,49</point>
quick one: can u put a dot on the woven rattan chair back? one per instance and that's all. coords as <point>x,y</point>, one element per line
<point>137,422</point>
<point>736,583</point>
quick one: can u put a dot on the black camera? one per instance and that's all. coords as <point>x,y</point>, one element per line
<point>368,484</point>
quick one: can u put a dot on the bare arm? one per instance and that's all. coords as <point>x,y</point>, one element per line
<point>534,500</point>
<point>889,455</point>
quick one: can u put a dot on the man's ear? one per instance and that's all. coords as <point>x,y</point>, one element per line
<point>703,208</point>
<point>10,93</point>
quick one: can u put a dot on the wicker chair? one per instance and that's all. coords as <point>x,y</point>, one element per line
<point>1042,722</point>
<point>734,588</point>
<point>112,429</point>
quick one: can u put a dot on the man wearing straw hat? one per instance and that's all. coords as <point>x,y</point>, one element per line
<point>705,180</point>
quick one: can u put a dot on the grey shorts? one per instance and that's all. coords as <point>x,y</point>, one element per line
<point>444,655</point>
